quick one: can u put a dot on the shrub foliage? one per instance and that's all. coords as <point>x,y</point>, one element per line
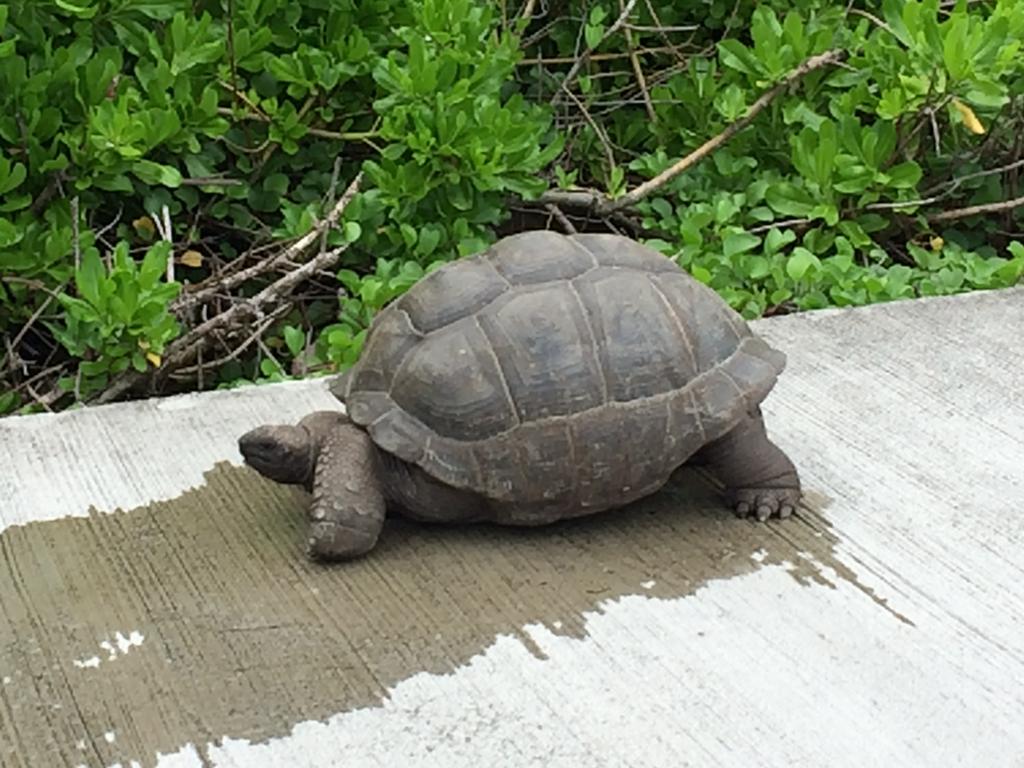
<point>149,150</point>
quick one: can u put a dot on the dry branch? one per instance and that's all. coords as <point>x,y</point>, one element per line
<point>602,205</point>
<point>221,285</point>
<point>640,192</point>
<point>187,348</point>
<point>637,69</point>
<point>320,133</point>
<point>974,210</point>
<point>557,213</point>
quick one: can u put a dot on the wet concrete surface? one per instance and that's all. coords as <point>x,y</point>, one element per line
<point>131,633</point>
<point>881,626</point>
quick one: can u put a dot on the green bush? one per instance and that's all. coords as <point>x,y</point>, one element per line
<point>237,122</point>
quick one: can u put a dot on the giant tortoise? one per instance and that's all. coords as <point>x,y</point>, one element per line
<point>548,377</point>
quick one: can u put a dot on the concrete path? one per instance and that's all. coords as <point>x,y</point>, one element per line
<point>156,609</point>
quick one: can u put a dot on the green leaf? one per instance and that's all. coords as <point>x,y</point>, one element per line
<point>276,183</point>
<point>739,242</point>
<point>891,12</point>
<point>155,173</point>
<point>350,280</point>
<point>9,233</point>
<point>905,175</point>
<point>89,275</point>
<point>954,47</point>
<point>776,239</point>
<point>730,102</point>
<point>83,11</point>
<point>154,265</point>
<point>11,176</point>
<point>428,241</point>
<point>789,199</point>
<point>294,339</point>
<point>800,262</point>
<point>758,267</point>
<point>737,56</point>
<point>352,231</point>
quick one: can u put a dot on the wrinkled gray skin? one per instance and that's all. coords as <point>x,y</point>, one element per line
<point>354,484</point>
<point>549,377</point>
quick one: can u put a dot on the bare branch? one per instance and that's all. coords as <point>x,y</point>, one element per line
<point>639,193</point>
<point>185,349</point>
<point>259,117</point>
<point>638,70</point>
<point>974,210</point>
<point>601,205</point>
<point>288,254</point>
<point>567,225</point>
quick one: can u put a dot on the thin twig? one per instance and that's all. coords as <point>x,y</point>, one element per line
<point>211,181</point>
<point>330,198</point>
<point>951,187</point>
<point>784,224</point>
<point>169,237</point>
<point>957,181</point>
<point>24,329</point>
<point>640,192</point>
<point>570,76</point>
<point>873,19</point>
<point>287,254</point>
<point>567,225</point>
<point>593,57</point>
<point>185,349</point>
<point>37,376</point>
<point>663,31</point>
<point>598,131</point>
<point>45,400</point>
<point>318,132</point>
<point>637,69</point>
<point>974,210</point>
<point>602,206</point>
<point>75,232</point>
<point>659,28</point>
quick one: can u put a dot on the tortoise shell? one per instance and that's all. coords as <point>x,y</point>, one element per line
<point>570,371</point>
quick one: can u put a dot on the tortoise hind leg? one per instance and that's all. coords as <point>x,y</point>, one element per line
<point>759,478</point>
<point>348,509</point>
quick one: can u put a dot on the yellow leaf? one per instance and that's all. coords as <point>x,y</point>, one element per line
<point>154,358</point>
<point>144,226</point>
<point>192,259</point>
<point>970,119</point>
<point>937,243</point>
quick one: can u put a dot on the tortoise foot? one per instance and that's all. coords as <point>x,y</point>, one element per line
<point>764,503</point>
<point>347,513</point>
<point>330,541</point>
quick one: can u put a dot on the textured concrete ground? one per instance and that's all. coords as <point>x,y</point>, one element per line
<point>156,610</point>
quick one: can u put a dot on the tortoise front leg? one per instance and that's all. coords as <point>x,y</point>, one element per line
<point>347,513</point>
<point>759,478</point>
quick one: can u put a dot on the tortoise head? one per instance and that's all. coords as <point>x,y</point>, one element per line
<point>287,453</point>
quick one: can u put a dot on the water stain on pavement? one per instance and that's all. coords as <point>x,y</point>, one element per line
<point>128,633</point>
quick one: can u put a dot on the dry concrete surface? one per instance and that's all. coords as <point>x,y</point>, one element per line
<point>156,608</point>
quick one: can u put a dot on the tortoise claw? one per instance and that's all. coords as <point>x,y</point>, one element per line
<point>765,503</point>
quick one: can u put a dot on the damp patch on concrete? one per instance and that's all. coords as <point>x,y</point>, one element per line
<point>230,632</point>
